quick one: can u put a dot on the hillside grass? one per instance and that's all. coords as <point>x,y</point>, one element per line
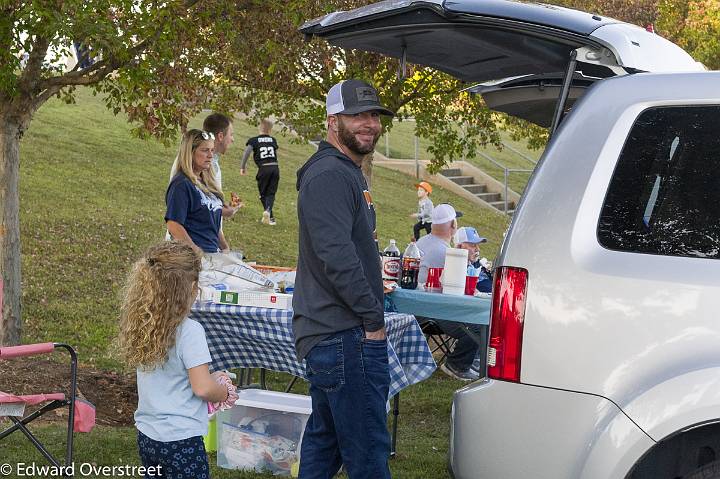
<point>92,198</point>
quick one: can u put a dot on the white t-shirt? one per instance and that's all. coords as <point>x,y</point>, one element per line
<point>432,249</point>
<point>168,410</point>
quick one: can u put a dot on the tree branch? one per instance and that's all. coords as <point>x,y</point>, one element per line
<point>33,68</point>
<point>41,98</point>
<point>101,69</point>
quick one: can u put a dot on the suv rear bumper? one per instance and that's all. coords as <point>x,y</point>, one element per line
<point>508,430</point>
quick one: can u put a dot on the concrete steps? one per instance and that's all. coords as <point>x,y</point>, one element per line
<point>461,178</point>
<point>479,189</point>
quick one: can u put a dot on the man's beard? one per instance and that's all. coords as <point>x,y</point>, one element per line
<point>349,140</point>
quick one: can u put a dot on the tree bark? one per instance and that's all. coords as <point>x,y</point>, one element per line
<point>11,128</point>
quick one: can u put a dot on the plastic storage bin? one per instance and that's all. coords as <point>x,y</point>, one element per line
<point>263,432</point>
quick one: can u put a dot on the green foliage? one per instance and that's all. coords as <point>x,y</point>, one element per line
<point>282,75</point>
<point>695,26</point>
<point>163,62</point>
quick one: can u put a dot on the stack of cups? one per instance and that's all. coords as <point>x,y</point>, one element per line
<point>453,278</point>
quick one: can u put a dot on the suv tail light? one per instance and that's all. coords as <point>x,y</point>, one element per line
<point>506,323</point>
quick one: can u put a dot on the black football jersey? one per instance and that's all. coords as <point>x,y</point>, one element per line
<point>264,149</point>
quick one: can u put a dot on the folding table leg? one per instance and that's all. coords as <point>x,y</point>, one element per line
<point>291,384</point>
<point>396,413</point>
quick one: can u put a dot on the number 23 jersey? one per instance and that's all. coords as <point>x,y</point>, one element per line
<point>264,150</point>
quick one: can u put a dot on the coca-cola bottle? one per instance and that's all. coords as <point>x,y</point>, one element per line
<point>391,262</point>
<point>410,267</point>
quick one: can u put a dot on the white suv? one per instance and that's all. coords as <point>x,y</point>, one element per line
<point>605,338</point>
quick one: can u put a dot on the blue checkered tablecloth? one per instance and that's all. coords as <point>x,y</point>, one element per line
<point>249,337</point>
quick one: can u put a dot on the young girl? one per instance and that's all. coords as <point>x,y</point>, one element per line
<point>171,355</point>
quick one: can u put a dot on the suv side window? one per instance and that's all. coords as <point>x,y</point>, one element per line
<point>664,196</point>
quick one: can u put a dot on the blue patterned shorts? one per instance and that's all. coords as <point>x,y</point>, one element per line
<point>184,459</point>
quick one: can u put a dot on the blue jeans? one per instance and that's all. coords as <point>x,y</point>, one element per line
<point>349,381</point>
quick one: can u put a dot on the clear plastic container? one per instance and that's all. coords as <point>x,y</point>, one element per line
<point>263,432</point>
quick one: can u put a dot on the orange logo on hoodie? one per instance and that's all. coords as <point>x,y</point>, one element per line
<point>368,198</point>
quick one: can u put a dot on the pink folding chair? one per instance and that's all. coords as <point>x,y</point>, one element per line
<point>81,415</point>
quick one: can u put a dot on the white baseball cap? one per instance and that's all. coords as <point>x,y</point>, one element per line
<point>468,234</point>
<point>444,213</point>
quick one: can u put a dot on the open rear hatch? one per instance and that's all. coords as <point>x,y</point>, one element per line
<point>477,41</point>
<point>531,97</point>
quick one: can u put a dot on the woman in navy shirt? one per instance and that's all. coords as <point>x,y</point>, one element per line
<point>194,200</point>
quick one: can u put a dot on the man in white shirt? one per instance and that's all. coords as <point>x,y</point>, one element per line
<point>432,247</point>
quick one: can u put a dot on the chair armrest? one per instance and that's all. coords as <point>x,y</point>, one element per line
<point>26,350</point>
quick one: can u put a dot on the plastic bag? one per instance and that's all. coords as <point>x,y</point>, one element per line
<point>229,269</point>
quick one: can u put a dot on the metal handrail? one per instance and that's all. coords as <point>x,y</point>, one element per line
<point>519,153</point>
<point>506,174</point>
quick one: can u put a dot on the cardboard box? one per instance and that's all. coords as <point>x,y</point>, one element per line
<point>263,432</point>
<point>254,298</point>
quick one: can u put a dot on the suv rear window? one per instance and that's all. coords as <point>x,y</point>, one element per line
<point>664,196</point>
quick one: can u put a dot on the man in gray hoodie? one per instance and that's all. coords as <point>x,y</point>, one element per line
<point>339,324</point>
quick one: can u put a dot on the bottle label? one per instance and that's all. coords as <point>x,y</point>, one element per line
<point>410,263</point>
<point>391,268</point>
<point>410,270</point>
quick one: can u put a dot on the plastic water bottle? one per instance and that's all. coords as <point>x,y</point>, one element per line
<point>410,267</point>
<point>391,262</point>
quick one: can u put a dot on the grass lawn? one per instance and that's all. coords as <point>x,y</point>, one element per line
<point>422,437</point>
<point>92,198</point>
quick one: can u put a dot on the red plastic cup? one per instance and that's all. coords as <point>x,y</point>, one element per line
<point>470,283</point>
<point>433,284</point>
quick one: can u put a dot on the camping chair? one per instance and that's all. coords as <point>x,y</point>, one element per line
<point>437,340</point>
<point>81,415</point>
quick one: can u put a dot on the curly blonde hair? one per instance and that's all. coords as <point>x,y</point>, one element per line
<point>159,292</point>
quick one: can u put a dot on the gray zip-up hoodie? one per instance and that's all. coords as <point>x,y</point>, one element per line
<point>338,284</point>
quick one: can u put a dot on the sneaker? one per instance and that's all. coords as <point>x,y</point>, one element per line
<point>467,375</point>
<point>265,218</point>
<point>272,222</point>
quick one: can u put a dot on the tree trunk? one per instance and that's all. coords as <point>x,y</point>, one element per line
<point>10,321</point>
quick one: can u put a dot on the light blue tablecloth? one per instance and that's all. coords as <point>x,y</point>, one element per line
<point>464,309</point>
